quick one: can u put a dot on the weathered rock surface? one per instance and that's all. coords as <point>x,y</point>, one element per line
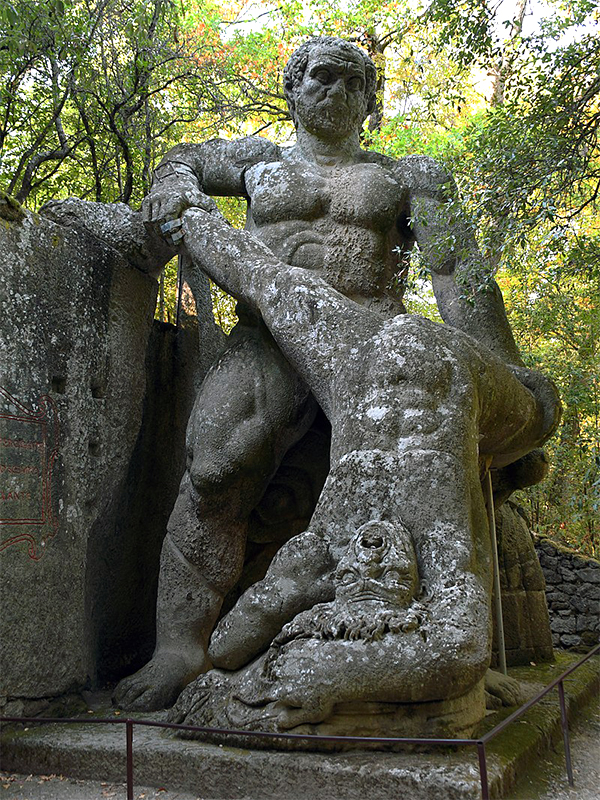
<point>90,460</point>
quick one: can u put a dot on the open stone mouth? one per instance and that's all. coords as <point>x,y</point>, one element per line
<point>372,541</point>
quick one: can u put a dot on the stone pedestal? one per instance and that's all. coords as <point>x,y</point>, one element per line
<point>236,773</point>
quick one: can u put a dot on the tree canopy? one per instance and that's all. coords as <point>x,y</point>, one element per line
<point>504,92</point>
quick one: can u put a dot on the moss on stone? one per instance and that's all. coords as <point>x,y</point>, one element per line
<point>10,209</point>
<point>565,549</point>
<point>539,728</point>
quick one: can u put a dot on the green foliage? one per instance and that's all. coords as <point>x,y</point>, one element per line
<point>166,308</point>
<point>533,162</point>
<point>95,91</point>
<point>555,311</point>
<point>223,308</point>
<point>233,209</point>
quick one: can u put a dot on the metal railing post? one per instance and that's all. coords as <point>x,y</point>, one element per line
<point>565,731</point>
<point>489,501</point>
<point>483,774</point>
<point>129,737</point>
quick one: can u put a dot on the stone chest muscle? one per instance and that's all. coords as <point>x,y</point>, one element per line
<point>363,195</point>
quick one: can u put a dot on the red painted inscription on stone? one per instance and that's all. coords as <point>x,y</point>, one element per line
<point>28,449</point>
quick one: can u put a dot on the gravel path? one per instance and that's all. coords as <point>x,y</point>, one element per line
<point>585,754</point>
<point>548,783</point>
<point>57,787</point>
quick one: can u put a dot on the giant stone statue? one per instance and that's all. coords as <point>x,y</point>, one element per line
<point>384,598</point>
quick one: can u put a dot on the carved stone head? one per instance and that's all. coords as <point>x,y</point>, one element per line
<point>329,85</point>
<point>379,564</point>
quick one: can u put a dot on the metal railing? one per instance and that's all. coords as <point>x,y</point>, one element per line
<point>479,743</point>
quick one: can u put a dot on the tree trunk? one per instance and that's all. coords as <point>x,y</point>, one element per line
<point>502,72</point>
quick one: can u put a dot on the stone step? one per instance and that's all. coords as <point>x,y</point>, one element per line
<point>95,751</point>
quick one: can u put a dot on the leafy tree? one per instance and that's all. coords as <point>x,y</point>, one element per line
<point>554,310</point>
<point>95,91</point>
<point>529,168</point>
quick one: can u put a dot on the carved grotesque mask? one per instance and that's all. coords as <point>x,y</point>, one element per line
<point>380,564</point>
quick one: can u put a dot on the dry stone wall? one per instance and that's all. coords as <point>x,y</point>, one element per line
<point>573,594</point>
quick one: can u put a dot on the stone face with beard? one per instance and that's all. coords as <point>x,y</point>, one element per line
<point>376,582</point>
<point>330,101</point>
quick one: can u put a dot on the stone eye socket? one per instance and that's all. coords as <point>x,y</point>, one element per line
<point>346,577</point>
<point>322,75</point>
<point>355,84</point>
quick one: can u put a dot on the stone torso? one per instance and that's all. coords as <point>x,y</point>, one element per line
<point>413,381</point>
<point>343,222</point>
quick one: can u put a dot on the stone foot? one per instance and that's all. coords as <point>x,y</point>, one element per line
<point>203,703</point>
<point>157,685</point>
<point>501,690</point>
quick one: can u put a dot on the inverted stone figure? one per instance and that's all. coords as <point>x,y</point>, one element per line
<point>415,408</point>
<point>348,218</point>
<point>376,585</point>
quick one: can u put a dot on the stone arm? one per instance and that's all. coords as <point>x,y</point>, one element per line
<point>310,321</point>
<point>453,258</point>
<point>189,172</point>
<point>458,270</point>
<point>299,576</point>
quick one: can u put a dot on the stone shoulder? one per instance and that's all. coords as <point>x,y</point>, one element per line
<point>249,150</point>
<point>422,175</point>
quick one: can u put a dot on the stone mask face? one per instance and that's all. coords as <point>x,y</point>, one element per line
<point>380,564</point>
<point>330,101</point>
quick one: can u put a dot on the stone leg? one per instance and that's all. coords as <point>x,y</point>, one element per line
<point>250,410</point>
<point>299,576</point>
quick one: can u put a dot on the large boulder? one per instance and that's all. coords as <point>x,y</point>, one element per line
<point>94,400</point>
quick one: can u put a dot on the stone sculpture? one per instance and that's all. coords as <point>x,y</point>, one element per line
<point>415,409</point>
<point>406,414</point>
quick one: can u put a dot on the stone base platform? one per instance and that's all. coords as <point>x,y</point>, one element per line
<point>229,773</point>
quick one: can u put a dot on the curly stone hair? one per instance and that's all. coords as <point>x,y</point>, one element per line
<point>298,61</point>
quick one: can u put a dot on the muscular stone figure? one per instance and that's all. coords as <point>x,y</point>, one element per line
<point>416,408</point>
<point>350,217</point>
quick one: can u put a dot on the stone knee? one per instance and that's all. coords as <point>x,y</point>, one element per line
<point>250,410</point>
<point>299,577</point>
<point>209,539</point>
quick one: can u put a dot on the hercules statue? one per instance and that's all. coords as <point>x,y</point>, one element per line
<point>350,217</point>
